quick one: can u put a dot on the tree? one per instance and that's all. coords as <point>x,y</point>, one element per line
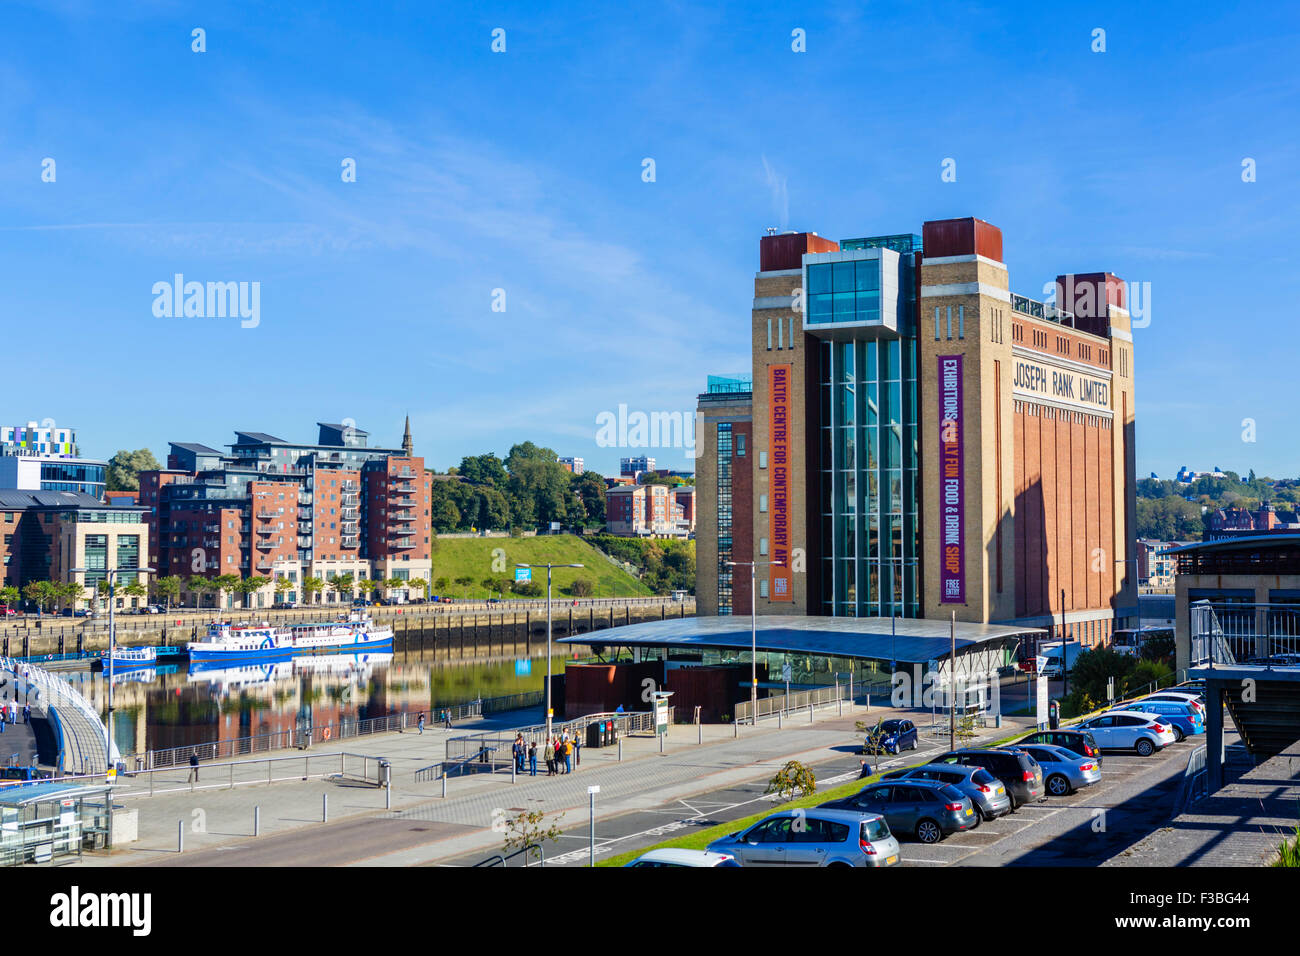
<point>419,586</point>
<point>222,584</point>
<point>168,588</point>
<point>582,588</point>
<point>343,586</point>
<point>525,829</point>
<point>198,585</point>
<point>9,595</point>
<point>44,593</point>
<point>134,589</point>
<point>282,587</point>
<point>367,587</point>
<point>72,592</point>
<point>124,469</point>
<point>311,587</point>
<point>440,584</point>
<point>794,778</point>
<point>483,470</point>
<point>464,581</point>
<point>250,586</point>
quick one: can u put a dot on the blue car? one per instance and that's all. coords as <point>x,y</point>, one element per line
<point>894,736</point>
<point>1184,719</point>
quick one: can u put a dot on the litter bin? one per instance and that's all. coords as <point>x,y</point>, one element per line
<point>607,732</point>
<point>593,734</point>
<point>385,774</point>
<point>1054,715</point>
<point>613,733</point>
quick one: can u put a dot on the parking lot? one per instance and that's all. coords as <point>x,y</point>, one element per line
<point>1135,796</point>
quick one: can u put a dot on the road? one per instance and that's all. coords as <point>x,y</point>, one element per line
<point>1135,796</point>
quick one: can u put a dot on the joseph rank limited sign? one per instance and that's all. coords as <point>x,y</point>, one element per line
<point>1045,381</point>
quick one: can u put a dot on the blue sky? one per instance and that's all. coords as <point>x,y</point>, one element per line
<point>522,171</point>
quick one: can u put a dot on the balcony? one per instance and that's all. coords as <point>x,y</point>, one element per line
<point>350,500</point>
<point>265,545</point>
<point>350,540</point>
<point>267,515</point>
<point>349,514</point>
<point>304,498</point>
<point>1041,310</point>
<point>212,528</point>
<point>401,544</point>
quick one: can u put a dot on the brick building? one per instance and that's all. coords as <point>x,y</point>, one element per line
<point>924,441</point>
<point>278,509</point>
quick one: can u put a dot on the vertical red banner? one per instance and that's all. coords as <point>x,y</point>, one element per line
<point>780,577</point>
<point>952,483</point>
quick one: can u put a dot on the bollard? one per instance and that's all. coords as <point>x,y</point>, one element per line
<point>388,797</point>
<point>324,808</point>
<point>701,729</point>
<point>513,767</point>
<point>661,743</point>
<point>810,713</point>
<point>257,821</point>
<point>180,836</point>
<point>444,783</point>
<point>735,728</point>
<point>620,748</point>
<point>778,718</point>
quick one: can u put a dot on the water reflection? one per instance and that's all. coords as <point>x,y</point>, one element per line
<point>181,705</point>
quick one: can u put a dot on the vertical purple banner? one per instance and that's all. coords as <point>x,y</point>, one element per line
<point>952,483</point>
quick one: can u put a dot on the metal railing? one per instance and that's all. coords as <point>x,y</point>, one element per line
<point>291,738</point>
<point>242,773</point>
<point>783,704</point>
<point>498,860</point>
<point>77,718</point>
<point>1228,633</point>
<point>491,749</point>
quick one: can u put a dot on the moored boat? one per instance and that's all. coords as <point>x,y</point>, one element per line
<point>128,658</point>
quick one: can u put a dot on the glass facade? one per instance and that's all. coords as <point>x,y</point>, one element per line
<point>724,517</point>
<point>73,476</point>
<point>844,292</point>
<point>868,453</point>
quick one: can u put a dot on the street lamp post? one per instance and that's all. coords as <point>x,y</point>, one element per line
<point>112,574</point>
<point>753,634</point>
<point>548,567</point>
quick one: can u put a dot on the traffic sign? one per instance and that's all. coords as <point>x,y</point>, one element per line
<point>523,574</point>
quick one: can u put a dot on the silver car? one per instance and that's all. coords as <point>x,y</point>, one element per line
<point>986,792</point>
<point>813,837</point>
<point>1064,771</point>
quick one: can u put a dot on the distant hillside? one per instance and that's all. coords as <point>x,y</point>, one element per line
<point>474,558</point>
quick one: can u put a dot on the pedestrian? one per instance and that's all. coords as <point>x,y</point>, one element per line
<point>27,713</point>
<point>866,770</point>
<point>446,716</point>
<point>577,751</point>
<point>549,754</point>
<point>532,758</point>
<point>517,751</point>
<point>420,722</point>
<point>568,756</point>
<point>2,720</point>
<point>13,709</point>
<point>194,766</point>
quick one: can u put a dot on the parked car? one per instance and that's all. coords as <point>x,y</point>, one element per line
<point>1064,771</point>
<point>986,792</point>
<point>7,611</point>
<point>1129,730</point>
<point>928,809</point>
<point>894,736</point>
<point>821,836</point>
<point>1184,719</point>
<point>671,857</point>
<point>1018,771</point>
<point>1177,696</point>
<point>1080,741</point>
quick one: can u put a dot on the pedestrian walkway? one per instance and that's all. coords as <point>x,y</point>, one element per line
<point>1240,825</point>
<point>423,827</point>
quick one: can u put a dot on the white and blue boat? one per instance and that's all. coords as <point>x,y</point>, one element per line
<point>266,644</point>
<point>130,658</point>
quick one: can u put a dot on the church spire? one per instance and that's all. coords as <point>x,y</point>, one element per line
<point>408,446</point>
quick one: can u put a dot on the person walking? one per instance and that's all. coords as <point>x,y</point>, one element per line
<point>2,719</point>
<point>13,708</point>
<point>532,758</point>
<point>446,716</point>
<point>549,754</point>
<point>27,713</point>
<point>420,722</point>
<point>194,766</point>
<point>577,751</point>
<point>517,752</point>
<point>568,756</point>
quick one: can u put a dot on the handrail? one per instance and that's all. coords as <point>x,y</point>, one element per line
<point>495,857</point>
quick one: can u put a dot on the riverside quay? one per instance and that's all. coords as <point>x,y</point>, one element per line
<point>916,439</point>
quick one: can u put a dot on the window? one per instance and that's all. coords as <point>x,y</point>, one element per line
<point>762,589</point>
<point>762,459</point>
<point>769,335</point>
<point>762,545</point>
<point>740,446</point>
<point>762,506</point>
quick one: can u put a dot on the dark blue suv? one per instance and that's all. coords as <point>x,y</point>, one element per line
<point>891,737</point>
